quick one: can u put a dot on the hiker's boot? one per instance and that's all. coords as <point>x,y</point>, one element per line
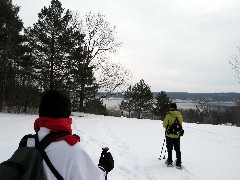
<point>178,164</point>
<point>168,163</point>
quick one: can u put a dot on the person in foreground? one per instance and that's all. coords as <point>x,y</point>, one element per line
<point>66,153</point>
<point>173,140</point>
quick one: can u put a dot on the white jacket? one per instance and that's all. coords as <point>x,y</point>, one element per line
<point>72,162</point>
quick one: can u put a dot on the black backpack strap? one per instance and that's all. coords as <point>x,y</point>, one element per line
<point>177,120</point>
<point>23,142</point>
<point>50,165</point>
<point>50,137</point>
<point>44,143</point>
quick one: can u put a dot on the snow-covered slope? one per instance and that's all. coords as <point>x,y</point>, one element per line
<point>208,152</point>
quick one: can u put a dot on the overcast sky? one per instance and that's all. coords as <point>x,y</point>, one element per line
<point>174,45</point>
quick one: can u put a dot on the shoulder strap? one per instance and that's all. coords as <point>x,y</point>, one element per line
<point>23,142</point>
<point>44,143</point>
<point>178,120</point>
<point>50,137</point>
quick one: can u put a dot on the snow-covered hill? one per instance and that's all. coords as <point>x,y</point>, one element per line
<point>208,152</point>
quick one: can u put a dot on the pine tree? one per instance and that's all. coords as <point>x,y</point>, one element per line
<point>142,97</point>
<point>95,106</point>
<point>10,43</point>
<point>29,94</point>
<point>85,86</point>
<point>162,104</point>
<point>127,104</point>
<point>138,98</point>
<point>51,40</point>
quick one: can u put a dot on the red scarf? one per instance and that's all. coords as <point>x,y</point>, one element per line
<point>55,125</point>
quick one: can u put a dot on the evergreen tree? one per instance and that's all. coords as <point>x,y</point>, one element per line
<point>29,94</point>
<point>51,40</point>
<point>60,60</point>
<point>10,45</point>
<point>85,86</point>
<point>142,97</point>
<point>81,76</point>
<point>127,104</point>
<point>95,106</point>
<point>138,98</point>
<point>162,104</point>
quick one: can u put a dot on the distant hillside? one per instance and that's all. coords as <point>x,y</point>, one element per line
<point>220,97</point>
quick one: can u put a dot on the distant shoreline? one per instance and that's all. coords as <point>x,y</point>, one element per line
<point>182,104</point>
<point>185,96</point>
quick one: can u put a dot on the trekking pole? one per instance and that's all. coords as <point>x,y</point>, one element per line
<point>104,152</point>
<point>162,151</point>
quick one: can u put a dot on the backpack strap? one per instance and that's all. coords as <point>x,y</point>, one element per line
<point>50,137</point>
<point>23,142</point>
<point>177,120</point>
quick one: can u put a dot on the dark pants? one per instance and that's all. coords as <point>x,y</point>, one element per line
<point>173,142</point>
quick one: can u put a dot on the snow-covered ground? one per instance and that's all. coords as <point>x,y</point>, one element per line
<point>208,151</point>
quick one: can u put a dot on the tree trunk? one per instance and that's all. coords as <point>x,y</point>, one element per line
<point>25,100</point>
<point>52,63</point>
<point>82,98</point>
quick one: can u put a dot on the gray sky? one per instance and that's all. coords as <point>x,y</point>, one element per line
<point>174,45</point>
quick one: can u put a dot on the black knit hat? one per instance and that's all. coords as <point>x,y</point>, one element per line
<point>173,106</point>
<point>54,104</point>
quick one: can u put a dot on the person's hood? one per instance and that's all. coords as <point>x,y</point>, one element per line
<point>175,113</point>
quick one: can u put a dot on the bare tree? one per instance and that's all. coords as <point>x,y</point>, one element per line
<point>99,42</point>
<point>204,109</point>
<point>112,76</point>
<point>235,62</point>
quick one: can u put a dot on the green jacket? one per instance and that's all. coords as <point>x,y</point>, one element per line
<point>169,120</point>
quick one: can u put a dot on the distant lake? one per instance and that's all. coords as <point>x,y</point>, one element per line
<point>115,102</point>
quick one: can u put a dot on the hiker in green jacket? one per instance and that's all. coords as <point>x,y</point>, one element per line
<point>173,140</point>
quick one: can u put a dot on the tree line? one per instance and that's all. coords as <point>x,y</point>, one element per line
<point>205,113</point>
<point>138,102</point>
<point>62,50</point>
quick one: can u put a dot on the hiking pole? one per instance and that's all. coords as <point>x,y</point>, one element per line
<point>104,152</point>
<point>162,151</point>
